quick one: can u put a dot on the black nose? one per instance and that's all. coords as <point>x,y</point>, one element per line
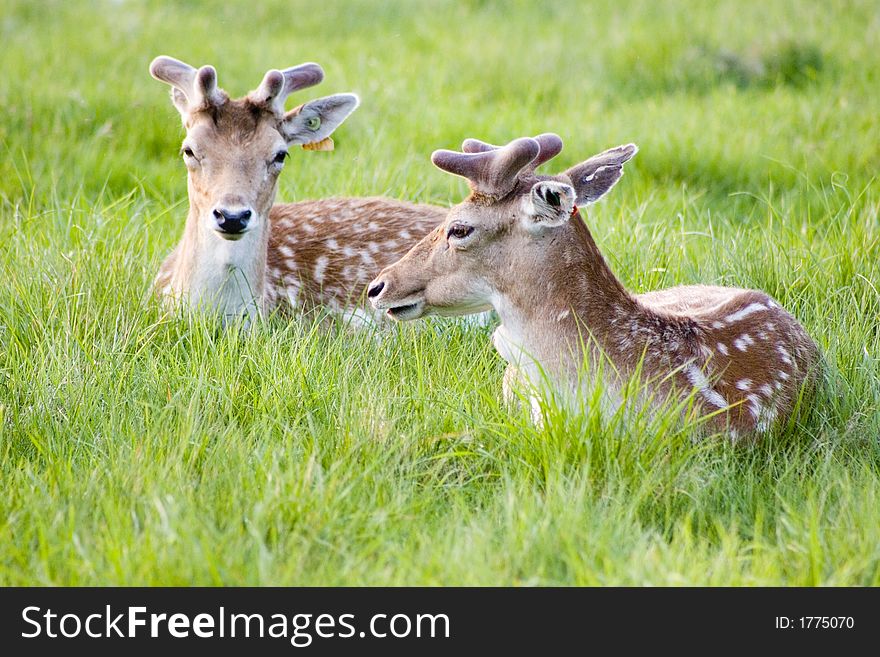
<point>375,289</point>
<point>232,222</point>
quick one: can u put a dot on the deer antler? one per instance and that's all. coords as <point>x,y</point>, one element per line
<point>491,170</point>
<point>192,88</point>
<point>278,85</point>
<point>550,143</point>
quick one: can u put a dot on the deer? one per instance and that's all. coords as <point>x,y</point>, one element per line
<point>241,256</point>
<point>519,245</point>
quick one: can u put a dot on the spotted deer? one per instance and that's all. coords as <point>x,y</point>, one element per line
<point>519,245</point>
<point>240,255</point>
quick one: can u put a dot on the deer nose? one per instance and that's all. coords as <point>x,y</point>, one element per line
<point>376,289</point>
<point>232,221</point>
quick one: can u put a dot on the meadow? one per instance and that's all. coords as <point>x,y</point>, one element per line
<point>140,447</point>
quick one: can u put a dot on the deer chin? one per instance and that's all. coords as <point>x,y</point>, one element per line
<point>231,237</point>
<point>421,308</point>
<point>408,311</point>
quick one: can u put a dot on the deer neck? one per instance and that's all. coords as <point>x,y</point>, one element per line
<point>568,301</point>
<point>228,276</point>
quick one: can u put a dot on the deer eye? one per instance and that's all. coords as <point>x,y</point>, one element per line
<point>313,123</point>
<point>459,231</point>
<point>188,152</point>
<point>280,156</point>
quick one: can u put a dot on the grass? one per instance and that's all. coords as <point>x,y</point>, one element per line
<point>138,448</point>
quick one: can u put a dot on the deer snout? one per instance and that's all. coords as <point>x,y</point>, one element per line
<point>398,304</point>
<point>375,288</point>
<point>232,221</point>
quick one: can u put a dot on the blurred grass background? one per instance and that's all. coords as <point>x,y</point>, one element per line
<point>137,448</point>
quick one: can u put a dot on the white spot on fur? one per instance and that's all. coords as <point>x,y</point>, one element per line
<point>348,252</point>
<point>743,342</point>
<point>744,384</point>
<point>783,352</point>
<point>755,407</point>
<point>722,348</point>
<point>286,251</point>
<point>751,309</point>
<point>320,268</point>
<point>292,292</point>
<point>717,324</point>
<point>766,389</point>
<point>332,244</point>
<point>562,315</point>
<point>783,375</point>
<point>308,228</point>
<point>700,382</point>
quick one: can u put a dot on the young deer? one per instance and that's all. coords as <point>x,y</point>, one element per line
<point>518,244</point>
<point>240,255</point>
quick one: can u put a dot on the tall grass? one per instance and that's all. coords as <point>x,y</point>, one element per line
<point>142,448</point>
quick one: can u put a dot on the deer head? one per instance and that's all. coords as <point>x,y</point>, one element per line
<point>235,149</point>
<point>502,235</point>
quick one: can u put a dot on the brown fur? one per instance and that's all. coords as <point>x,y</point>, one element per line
<point>744,359</point>
<point>357,236</point>
<point>675,329</point>
<point>294,256</point>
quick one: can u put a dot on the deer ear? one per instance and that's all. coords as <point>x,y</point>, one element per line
<point>179,76</point>
<point>191,89</point>
<point>179,100</point>
<point>316,120</point>
<point>550,204</point>
<point>595,177</point>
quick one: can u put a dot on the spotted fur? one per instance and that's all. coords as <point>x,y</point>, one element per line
<point>288,257</point>
<point>323,253</point>
<point>739,357</point>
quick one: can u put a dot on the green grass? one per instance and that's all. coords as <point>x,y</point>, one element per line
<point>137,448</point>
